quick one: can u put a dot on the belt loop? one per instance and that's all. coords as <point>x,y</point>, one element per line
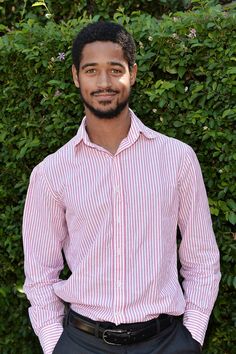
<point>97,330</point>
<point>66,316</point>
<point>158,325</point>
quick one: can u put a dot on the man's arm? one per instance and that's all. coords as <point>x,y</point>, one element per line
<point>198,252</point>
<point>44,229</point>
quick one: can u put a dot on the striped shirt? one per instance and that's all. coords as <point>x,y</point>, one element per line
<point>115,217</point>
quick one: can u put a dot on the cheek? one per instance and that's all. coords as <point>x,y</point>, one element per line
<point>85,83</point>
<point>124,83</point>
<point>86,89</point>
<point>124,80</point>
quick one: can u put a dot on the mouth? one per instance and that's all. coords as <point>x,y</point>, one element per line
<point>104,94</point>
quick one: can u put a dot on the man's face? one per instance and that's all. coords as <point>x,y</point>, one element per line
<point>104,79</point>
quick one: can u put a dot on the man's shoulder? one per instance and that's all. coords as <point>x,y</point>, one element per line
<point>168,142</point>
<point>58,162</point>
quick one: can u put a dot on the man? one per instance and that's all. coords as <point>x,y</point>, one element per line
<point>111,199</point>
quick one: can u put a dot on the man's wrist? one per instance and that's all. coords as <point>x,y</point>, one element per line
<point>196,322</point>
<point>49,336</point>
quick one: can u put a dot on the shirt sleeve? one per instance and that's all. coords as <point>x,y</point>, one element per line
<point>44,229</point>
<point>198,252</point>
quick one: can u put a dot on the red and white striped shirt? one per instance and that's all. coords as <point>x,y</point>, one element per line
<point>115,216</point>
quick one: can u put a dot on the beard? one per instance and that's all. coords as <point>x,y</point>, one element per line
<point>109,113</point>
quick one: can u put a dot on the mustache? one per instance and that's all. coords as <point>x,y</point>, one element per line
<point>98,92</point>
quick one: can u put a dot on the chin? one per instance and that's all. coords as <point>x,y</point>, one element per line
<point>106,109</point>
<point>109,113</point>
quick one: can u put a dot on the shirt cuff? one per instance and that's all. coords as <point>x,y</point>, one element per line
<point>196,322</point>
<point>49,336</point>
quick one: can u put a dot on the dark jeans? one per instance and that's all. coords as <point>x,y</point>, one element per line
<point>175,339</point>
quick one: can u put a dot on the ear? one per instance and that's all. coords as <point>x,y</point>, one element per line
<point>133,74</point>
<point>75,76</point>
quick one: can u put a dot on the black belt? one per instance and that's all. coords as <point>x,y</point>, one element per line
<point>123,334</point>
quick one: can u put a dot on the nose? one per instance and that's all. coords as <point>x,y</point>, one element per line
<point>103,80</point>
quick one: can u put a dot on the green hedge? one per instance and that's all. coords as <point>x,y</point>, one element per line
<point>185,88</point>
<point>14,11</point>
<point>11,12</point>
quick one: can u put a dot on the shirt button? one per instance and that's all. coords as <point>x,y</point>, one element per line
<point>118,251</point>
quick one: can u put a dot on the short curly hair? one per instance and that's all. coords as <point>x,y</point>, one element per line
<point>104,31</point>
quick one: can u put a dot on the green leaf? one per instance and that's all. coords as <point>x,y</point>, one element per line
<point>197,88</point>
<point>232,218</point>
<point>180,87</point>
<point>177,124</point>
<point>231,203</point>
<point>161,103</point>
<point>3,135</point>
<point>231,70</point>
<point>167,85</point>
<point>210,25</point>
<point>3,292</point>
<point>171,70</point>
<point>181,71</point>
<point>55,82</point>
<point>3,28</point>
<point>228,112</point>
<point>96,18</point>
<point>214,211</point>
<point>230,280</point>
<point>39,3</point>
<point>234,282</point>
<point>214,86</point>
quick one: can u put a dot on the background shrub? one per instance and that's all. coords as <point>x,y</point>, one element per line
<point>185,88</point>
<point>14,11</point>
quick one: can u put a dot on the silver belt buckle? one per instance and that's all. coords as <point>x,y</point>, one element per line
<point>119,331</point>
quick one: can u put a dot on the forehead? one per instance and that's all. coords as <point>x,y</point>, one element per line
<point>102,52</point>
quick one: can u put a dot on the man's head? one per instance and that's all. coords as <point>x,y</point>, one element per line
<point>104,68</point>
<point>104,32</point>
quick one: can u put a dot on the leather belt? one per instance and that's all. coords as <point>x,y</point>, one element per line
<point>123,334</point>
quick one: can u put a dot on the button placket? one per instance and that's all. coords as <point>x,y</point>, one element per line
<point>118,237</point>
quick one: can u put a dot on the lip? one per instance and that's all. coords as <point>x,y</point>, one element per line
<point>104,95</point>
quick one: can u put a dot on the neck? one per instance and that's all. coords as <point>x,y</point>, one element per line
<point>108,133</point>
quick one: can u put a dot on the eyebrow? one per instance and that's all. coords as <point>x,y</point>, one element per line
<point>88,64</point>
<point>115,63</point>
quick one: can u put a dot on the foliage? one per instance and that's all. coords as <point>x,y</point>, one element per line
<point>185,88</point>
<point>64,9</point>
<point>11,12</point>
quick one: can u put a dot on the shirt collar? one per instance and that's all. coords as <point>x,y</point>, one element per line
<point>136,128</point>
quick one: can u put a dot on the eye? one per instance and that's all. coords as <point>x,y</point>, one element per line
<point>116,71</point>
<point>90,71</point>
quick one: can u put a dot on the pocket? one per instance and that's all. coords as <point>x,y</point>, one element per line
<point>58,343</point>
<point>194,341</point>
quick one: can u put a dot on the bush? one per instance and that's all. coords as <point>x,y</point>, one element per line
<point>12,12</point>
<point>185,88</point>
